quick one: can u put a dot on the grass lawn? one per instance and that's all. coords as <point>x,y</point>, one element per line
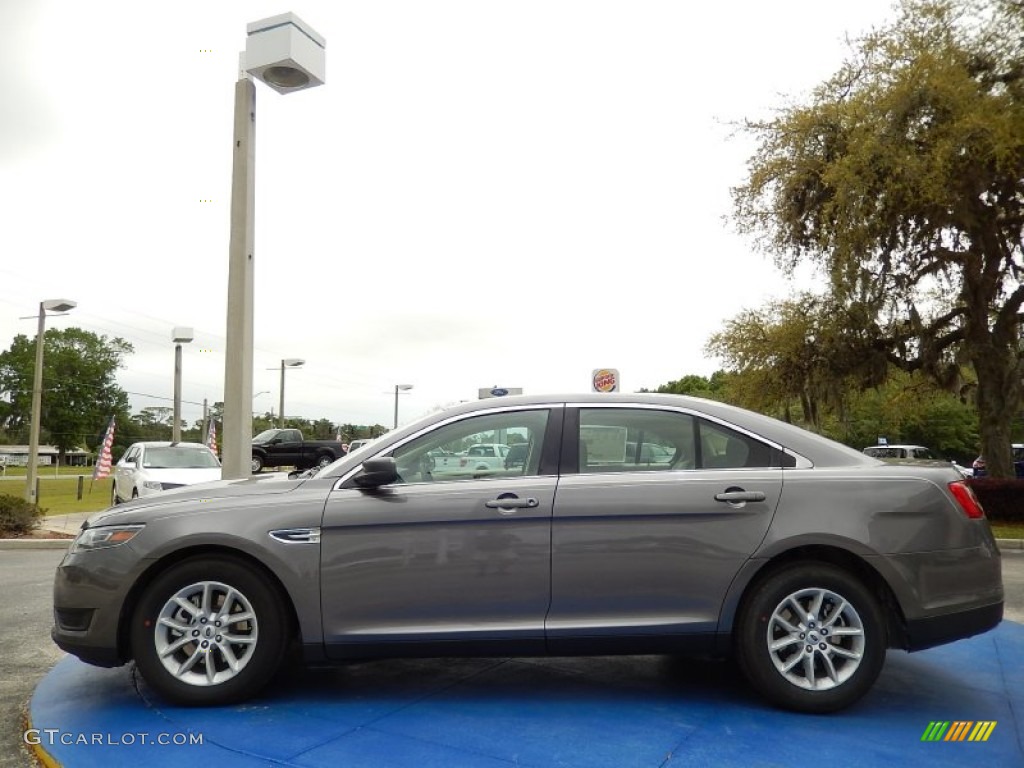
<point>1008,530</point>
<point>48,471</point>
<point>59,495</point>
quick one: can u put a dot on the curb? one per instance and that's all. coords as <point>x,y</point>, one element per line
<point>1011,545</point>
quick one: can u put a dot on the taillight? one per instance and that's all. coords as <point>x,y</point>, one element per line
<point>968,501</point>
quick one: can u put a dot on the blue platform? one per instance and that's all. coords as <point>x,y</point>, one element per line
<point>619,712</point>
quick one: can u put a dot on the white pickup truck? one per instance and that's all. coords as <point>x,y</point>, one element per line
<point>478,460</point>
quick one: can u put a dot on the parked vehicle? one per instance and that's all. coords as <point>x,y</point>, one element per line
<point>151,467</point>
<point>918,452</point>
<point>799,558</point>
<point>484,457</point>
<point>517,455</point>
<point>1018,462</point>
<point>355,445</point>
<point>287,448</point>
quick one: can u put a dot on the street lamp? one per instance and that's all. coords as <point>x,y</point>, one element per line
<point>288,55</point>
<point>399,388</point>
<point>57,306</point>
<point>180,335</point>
<point>288,362</point>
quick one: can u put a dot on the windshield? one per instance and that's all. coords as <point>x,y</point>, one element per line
<point>178,457</point>
<point>264,436</point>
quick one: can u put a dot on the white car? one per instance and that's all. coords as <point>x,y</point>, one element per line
<point>477,461</point>
<point>152,467</point>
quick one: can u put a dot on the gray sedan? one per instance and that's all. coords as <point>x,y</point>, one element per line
<point>749,538</point>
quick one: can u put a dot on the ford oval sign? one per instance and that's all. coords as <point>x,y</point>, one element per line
<point>498,392</point>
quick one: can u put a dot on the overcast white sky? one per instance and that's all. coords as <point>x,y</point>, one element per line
<point>481,194</point>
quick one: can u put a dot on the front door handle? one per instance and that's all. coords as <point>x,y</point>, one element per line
<point>738,496</point>
<point>511,502</point>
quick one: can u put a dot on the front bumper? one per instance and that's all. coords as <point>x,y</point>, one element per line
<point>90,590</point>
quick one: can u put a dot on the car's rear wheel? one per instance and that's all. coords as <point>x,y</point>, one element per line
<point>811,638</point>
<point>323,461</point>
<point>209,631</point>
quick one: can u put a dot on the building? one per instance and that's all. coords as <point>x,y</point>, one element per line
<point>17,456</point>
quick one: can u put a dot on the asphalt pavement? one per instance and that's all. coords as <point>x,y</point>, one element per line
<point>26,651</point>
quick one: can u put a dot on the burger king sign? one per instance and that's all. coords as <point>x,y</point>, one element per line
<point>605,380</point>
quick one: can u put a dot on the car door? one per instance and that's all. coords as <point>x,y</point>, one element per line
<point>287,448</point>
<point>124,472</point>
<point>650,548</point>
<point>448,558</point>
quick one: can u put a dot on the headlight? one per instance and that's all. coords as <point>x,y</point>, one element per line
<point>104,536</point>
<point>152,485</point>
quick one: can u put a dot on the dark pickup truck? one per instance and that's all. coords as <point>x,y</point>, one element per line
<point>286,448</point>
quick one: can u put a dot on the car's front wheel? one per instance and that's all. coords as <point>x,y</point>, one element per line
<point>257,464</point>
<point>811,638</point>
<point>209,631</point>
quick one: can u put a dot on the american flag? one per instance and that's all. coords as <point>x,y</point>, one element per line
<point>102,468</point>
<point>211,436</point>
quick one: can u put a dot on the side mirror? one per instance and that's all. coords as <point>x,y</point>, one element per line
<point>377,472</point>
<point>130,463</point>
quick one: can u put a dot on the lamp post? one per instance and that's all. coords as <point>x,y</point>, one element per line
<point>399,388</point>
<point>50,305</point>
<point>288,55</point>
<point>179,336</point>
<point>288,362</point>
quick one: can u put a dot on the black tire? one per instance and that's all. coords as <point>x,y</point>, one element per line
<point>257,464</point>
<point>324,460</point>
<point>135,493</point>
<point>114,500</point>
<point>262,640</point>
<point>840,667</point>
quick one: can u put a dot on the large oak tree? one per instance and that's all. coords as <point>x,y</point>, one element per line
<point>902,176</point>
<point>80,391</point>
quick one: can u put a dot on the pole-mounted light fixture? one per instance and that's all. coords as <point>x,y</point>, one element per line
<point>288,55</point>
<point>56,306</point>
<point>288,362</point>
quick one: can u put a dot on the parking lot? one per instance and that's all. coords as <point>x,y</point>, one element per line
<point>660,696</point>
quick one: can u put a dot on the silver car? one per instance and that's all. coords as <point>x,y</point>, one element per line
<point>801,559</point>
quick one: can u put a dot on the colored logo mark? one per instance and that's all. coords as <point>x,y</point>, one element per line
<point>959,730</point>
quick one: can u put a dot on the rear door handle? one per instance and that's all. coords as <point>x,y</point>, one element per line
<point>511,502</point>
<point>736,497</point>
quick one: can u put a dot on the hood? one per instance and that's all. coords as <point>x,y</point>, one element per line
<point>186,499</point>
<point>181,476</point>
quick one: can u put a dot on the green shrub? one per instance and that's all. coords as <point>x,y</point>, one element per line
<point>1002,500</point>
<point>17,516</point>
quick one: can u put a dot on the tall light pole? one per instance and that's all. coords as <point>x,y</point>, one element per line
<point>179,336</point>
<point>50,305</point>
<point>288,362</point>
<point>288,55</point>
<point>399,388</point>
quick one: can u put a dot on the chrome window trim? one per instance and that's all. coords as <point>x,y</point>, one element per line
<point>437,425</point>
